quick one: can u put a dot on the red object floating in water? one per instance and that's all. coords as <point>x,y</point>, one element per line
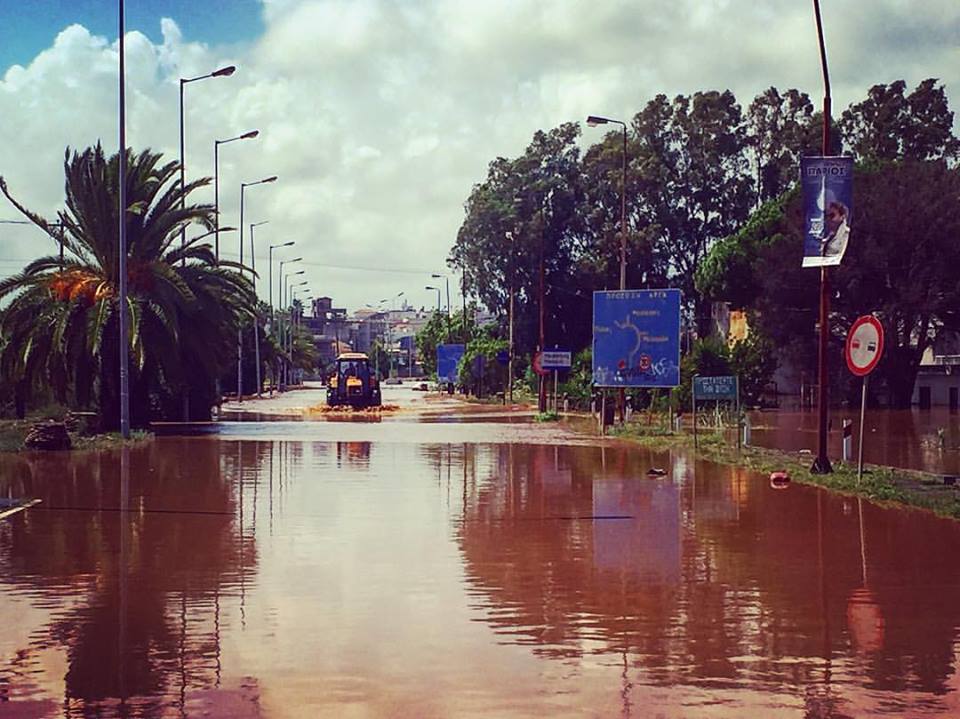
<point>779,480</point>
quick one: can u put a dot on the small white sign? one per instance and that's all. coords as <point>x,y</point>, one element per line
<point>555,359</point>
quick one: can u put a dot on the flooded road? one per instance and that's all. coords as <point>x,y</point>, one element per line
<point>460,569</point>
<point>927,440</point>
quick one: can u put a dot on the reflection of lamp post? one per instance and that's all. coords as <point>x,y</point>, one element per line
<point>243,186</point>
<point>216,183</point>
<point>222,72</point>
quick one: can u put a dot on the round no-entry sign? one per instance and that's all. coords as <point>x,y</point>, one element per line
<point>864,345</point>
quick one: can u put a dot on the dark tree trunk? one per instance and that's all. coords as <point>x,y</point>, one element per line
<point>901,365</point>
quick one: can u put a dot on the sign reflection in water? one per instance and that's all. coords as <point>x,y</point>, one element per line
<point>438,575</point>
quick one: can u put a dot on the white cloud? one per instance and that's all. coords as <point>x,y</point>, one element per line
<point>379,116</point>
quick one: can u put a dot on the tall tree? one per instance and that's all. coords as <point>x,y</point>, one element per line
<point>61,324</point>
<point>780,131</point>
<point>888,125</point>
<point>697,183</point>
<point>526,209</point>
<point>901,266</point>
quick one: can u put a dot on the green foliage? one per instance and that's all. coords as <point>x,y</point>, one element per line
<point>478,368</point>
<point>61,326</point>
<point>379,358</point>
<point>900,265</point>
<point>578,385</point>
<point>548,416</point>
<point>440,330</point>
<point>751,359</point>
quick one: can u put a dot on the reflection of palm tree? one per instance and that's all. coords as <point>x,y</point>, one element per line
<point>183,550</point>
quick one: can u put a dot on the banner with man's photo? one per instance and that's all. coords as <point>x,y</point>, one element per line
<point>827,184</point>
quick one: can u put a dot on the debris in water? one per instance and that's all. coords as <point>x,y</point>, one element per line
<point>779,480</point>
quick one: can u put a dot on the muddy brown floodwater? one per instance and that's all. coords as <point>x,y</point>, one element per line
<point>460,569</point>
<point>927,440</point>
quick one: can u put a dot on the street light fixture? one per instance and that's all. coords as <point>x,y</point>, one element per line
<point>244,186</point>
<point>593,121</point>
<point>216,182</point>
<point>122,269</point>
<point>429,287</point>
<point>270,267</point>
<point>446,279</point>
<point>222,72</point>
<point>256,323</point>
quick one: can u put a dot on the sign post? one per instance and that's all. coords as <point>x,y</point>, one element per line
<point>719,389</point>
<point>863,351</point>
<point>555,360</point>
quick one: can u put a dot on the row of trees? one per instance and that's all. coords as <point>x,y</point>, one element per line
<point>707,184</point>
<point>59,326</point>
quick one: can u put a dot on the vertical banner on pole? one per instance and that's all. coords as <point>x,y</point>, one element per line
<point>827,184</point>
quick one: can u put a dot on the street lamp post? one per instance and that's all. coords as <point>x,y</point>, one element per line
<point>437,276</point>
<point>821,465</point>
<point>593,121</point>
<point>216,184</point>
<point>285,337</point>
<point>437,289</point>
<point>294,324</point>
<point>270,268</point>
<point>122,268</point>
<point>281,295</point>
<point>244,186</point>
<point>256,323</point>
<point>222,72</point>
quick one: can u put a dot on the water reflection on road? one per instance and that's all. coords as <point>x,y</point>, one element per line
<point>927,440</point>
<point>458,570</point>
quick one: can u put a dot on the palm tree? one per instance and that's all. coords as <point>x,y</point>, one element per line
<point>61,326</point>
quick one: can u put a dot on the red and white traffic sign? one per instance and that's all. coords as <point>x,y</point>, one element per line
<point>864,345</point>
<point>538,364</point>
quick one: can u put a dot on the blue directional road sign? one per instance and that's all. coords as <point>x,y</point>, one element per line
<point>636,338</point>
<point>448,358</point>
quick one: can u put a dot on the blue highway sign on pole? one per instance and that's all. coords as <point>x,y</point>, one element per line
<point>448,357</point>
<point>636,338</point>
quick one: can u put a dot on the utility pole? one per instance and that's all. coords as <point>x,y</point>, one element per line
<point>510,349</point>
<point>821,465</point>
<point>542,387</point>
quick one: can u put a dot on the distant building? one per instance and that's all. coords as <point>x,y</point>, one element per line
<point>329,326</point>
<point>938,381</point>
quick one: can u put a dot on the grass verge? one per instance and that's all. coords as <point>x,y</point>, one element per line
<point>883,484</point>
<point>14,431</point>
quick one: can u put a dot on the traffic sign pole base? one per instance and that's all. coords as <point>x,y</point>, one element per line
<point>821,465</point>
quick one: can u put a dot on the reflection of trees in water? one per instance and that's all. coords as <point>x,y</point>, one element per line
<point>757,587</point>
<point>190,540</point>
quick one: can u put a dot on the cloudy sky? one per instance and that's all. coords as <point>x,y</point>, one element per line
<point>379,115</point>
